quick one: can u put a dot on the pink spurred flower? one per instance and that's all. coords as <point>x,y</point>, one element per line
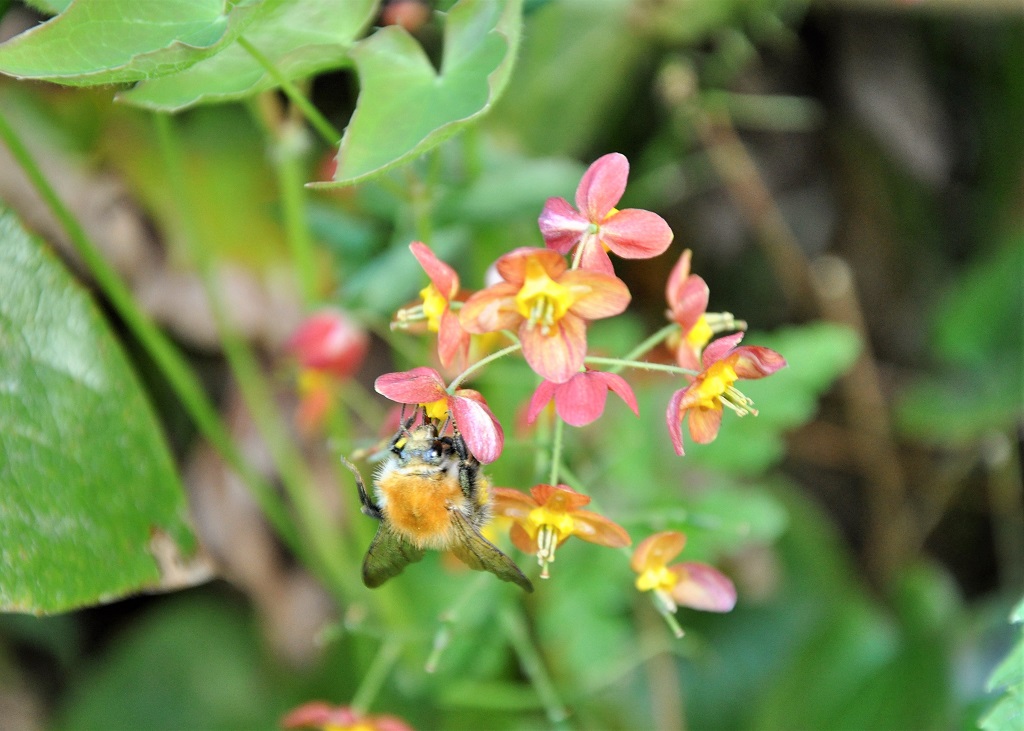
<point>474,419</point>
<point>452,339</point>
<point>688,584</point>
<point>713,388</point>
<point>580,400</point>
<point>687,296</point>
<point>325,717</point>
<point>596,226</point>
<point>549,305</point>
<point>331,342</point>
<point>549,516</point>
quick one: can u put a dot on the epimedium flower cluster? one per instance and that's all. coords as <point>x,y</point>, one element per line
<point>542,303</point>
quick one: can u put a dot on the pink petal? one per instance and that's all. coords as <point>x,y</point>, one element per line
<point>317,714</point>
<point>580,400</point>
<point>561,225</point>
<point>703,587</point>
<point>690,302</point>
<point>479,427</point>
<point>418,386</point>
<point>679,274</point>
<point>704,424</point>
<point>753,361</point>
<point>718,349</point>
<point>541,397</point>
<point>491,309</point>
<point>442,276</point>
<point>559,354</point>
<point>594,257</point>
<point>512,266</point>
<point>636,234</point>
<point>674,419</point>
<point>596,295</point>
<point>602,186</point>
<point>619,385</point>
<point>687,356</point>
<point>452,339</point>
<point>330,341</point>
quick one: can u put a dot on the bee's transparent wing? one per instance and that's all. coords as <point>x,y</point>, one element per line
<point>388,554</point>
<point>480,554</point>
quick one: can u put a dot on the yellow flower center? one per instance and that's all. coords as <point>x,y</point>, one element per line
<point>434,305</point>
<point>548,527</point>
<point>659,578</point>
<point>542,300</point>
<point>700,334</point>
<point>437,409</point>
<point>717,381</point>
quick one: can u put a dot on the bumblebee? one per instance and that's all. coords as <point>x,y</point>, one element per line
<point>430,494</point>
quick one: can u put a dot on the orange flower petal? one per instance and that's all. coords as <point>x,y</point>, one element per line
<point>559,497</point>
<point>595,528</point>
<point>442,276</point>
<point>491,309</point>
<point>512,266</point>
<point>704,424</point>
<point>595,294</point>
<point>512,503</point>
<point>522,540</point>
<point>657,550</point>
<point>559,354</point>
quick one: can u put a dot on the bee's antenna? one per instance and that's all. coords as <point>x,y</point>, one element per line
<point>368,507</point>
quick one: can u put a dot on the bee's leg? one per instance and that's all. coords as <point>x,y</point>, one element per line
<point>403,429</point>
<point>469,467</point>
<point>368,507</point>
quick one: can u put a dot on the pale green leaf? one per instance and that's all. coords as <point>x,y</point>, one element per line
<point>301,38</point>
<point>86,481</point>
<point>116,41</point>
<point>405,107</point>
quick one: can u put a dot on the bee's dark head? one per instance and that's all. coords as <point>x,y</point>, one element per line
<point>423,444</point>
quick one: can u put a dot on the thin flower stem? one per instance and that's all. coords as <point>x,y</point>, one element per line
<point>648,344</point>
<point>642,365</point>
<point>291,147</point>
<point>376,674</point>
<point>481,363</point>
<point>532,663</point>
<point>329,133</point>
<point>298,482</point>
<point>449,618</point>
<point>556,451</point>
<point>167,357</point>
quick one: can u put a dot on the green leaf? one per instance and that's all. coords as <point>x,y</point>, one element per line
<point>405,107</point>
<point>301,37</point>
<point>50,6</point>
<point>117,41</point>
<point>86,481</point>
<point>1008,713</point>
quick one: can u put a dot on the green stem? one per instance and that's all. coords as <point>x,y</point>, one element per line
<point>169,360</point>
<point>297,480</point>
<point>481,363</point>
<point>649,343</point>
<point>530,660</point>
<point>291,147</point>
<point>621,363</point>
<point>330,134</point>
<point>556,451</point>
<point>377,673</point>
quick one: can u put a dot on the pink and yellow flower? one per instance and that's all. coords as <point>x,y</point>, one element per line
<point>580,400</point>
<point>687,296</point>
<point>474,419</point>
<point>548,516</point>
<point>549,304</point>
<point>687,584</point>
<point>713,388</point>
<point>325,717</point>
<point>452,339</point>
<point>596,226</point>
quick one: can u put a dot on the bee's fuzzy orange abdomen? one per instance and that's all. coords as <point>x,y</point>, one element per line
<point>417,506</point>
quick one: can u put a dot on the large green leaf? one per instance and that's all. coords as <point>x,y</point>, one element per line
<point>405,107</point>
<point>116,41</point>
<point>301,38</point>
<point>86,481</point>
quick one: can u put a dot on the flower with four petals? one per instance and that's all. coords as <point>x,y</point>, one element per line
<point>548,516</point>
<point>596,226</point>
<point>452,339</point>
<point>724,364</point>
<point>687,584</point>
<point>549,304</point>
<point>325,717</point>
<point>473,418</point>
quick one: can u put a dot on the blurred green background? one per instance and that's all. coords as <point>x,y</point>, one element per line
<point>850,177</point>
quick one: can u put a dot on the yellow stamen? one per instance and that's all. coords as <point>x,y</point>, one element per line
<point>718,379</point>
<point>434,305</point>
<point>437,409</point>
<point>547,542</point>
<point>659,578</point>
<point>542,300</point>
